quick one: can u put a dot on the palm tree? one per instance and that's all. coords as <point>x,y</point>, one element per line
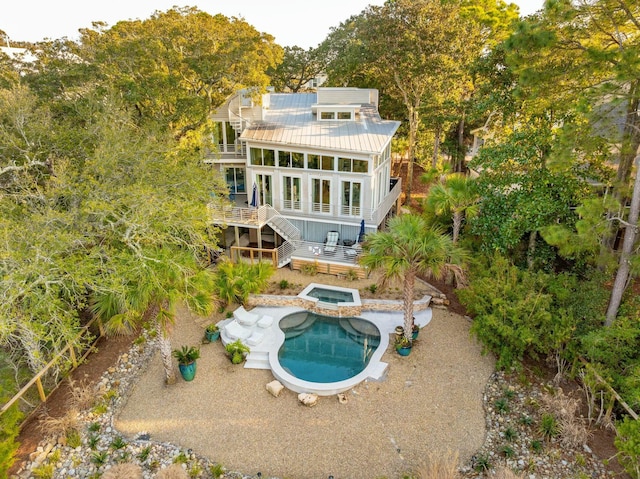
<point>168,277</point>
<point>410,247</point>
<point>456,196</point>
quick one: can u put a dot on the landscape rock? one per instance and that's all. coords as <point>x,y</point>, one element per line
<point>275,388</point>
<point>307,399</point>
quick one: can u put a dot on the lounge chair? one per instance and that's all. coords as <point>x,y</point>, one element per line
<point>234,331</point>
<point>244,317</point>
<point>255,339</point>
<point>331,245</point>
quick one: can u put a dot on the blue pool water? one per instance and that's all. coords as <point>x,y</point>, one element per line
<point>331,295</point>
<point>325,349</point>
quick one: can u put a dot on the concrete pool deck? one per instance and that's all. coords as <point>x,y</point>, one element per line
<point>265,354</point>
<point>429,403</point>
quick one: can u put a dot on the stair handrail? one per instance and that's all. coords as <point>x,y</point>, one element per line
<point>288,228</point>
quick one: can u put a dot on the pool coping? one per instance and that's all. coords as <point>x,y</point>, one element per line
<point>265,354</point>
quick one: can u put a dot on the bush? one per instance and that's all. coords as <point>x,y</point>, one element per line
<point>628,444</point>
<point>234,282</point>
<point>515,313</point>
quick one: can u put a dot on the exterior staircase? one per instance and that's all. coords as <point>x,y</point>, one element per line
<point>287,231</point>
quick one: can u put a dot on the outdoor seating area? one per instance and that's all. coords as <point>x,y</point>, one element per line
<point>246,326</point>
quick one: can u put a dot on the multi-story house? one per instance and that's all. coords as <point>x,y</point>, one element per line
<point>301,165</point>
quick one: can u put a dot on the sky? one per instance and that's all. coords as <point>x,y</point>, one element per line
<point>305,24</point>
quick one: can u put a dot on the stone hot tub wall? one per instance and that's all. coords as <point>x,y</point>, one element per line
<point>334,310</point>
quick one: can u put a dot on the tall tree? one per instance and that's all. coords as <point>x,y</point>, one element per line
<point>408,248</point>
<point>427,51</point>
<point>298,68</point>
<point>455,196</point>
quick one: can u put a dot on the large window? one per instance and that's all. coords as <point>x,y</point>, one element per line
<point>235,179</point>
<point>353,165</point>
<point>321,195</point>
<point>263,157</point>
<point>320,162</point>
<point>291,193</point>
<point>290,159</point>
<point>351,198</point>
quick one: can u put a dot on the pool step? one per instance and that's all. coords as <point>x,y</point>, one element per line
<point>257,360</point>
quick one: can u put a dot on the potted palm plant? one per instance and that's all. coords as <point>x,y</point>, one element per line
<point>212,332</point>
<point>403,345</point>
<point>187,361</point>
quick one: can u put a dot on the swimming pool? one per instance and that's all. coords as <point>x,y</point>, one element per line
<point>325,349</point>
<point>334,295</point>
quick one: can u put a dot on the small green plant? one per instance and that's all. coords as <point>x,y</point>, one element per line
<point>481,463</point>
<point>99,409</point>
<point>502,405</point>
<point>510,434</point>
<point>526,420</point>
<point>237,351</point>
<point>54,457</point>
<point>93,441</point>
<point>73,439</point>
<point>352,274</point>
<point>181,458</point>
<point>284,284</point>
<point>118,443</point>
<point>195,471</point>
<point>44,471</point>
<point>186,355</point>
<point>125,456</point>
<point>229,314</point>
<point>580,460</point>
<point>110,394</point>
<point>144,454</point>
<point>140,340</point>
<point>94,427</point>
<point>507,451</point>
<point>508,393</point>
<point>536,446</point>
<point>309,269</point>
<point>154,465</point>
<point>373,288</point>
<point>216,470</point>
<point>548,426</point>
<point>99,458</point>
<point>212,328</point>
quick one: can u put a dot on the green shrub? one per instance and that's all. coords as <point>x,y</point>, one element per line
<point>514,313</point>
<point>234,282</point>
<point>373,288</point>
<point>510,434</point>
<point>9,423</point>
<point>216,470</point>
<point>628,444</point>
<point>74,439</point>
<point>310,269</point>
<point>502,405</point>
<point>549,426</point>
<point>284,284</point>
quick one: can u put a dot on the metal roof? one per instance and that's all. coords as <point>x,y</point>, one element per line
<point>289,120</point>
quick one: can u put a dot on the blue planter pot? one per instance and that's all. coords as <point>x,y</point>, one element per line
<point>414,334</point>
<point>188,371</point>
<point>211,337</point>
<point>403,351</point>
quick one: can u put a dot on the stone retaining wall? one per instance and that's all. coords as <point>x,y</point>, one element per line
<point>341,311</point>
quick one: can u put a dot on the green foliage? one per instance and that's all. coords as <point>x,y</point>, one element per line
<point>373,288</point>
<point>627,442</point>
<point>100,458</point>
<point>118,443</point>
<point>187,354</point>
<point>513,312</point>
<point>481,462</point>
<point>352,274</point>
<point>9,421</point>
<point>181,458</point>
<point>510,434</point>
<point>549,427</point>
<point>284,284</point>
<point>234,282</point>
<point>93,441</point>
<point>216,470</point>
<point>502,405</point>
<point>94,427</point>
<point>237,351</point>
<point>74,439</point>
<point>44,471</point>
<point>309,269</point>
<point>615,353</point>
<point>507,451</point>
<point>536,446</point>
<point>144,453</point>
